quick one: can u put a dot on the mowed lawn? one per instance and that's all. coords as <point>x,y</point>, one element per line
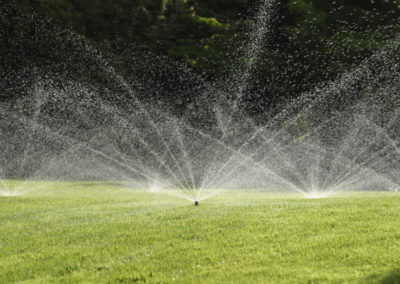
<point>106,233</point>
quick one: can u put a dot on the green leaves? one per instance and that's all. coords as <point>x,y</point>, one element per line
<point>310,41</point>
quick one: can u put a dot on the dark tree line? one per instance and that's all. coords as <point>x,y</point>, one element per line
<point>311,41</point>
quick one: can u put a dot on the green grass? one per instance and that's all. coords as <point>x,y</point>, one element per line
<point>104,233</point>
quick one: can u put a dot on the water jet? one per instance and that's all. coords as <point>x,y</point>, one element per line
<point>340,136</point>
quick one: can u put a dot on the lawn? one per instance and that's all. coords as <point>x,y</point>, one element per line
<point>108,233</point>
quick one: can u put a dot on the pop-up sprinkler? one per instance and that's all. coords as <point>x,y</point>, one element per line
<point>196,203</point>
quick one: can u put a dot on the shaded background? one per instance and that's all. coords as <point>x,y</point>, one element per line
<point>175,45</point>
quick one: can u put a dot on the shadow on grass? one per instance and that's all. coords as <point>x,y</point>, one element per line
<point>392,277</point>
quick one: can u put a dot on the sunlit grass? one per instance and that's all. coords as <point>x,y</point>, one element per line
<point>108,232</point>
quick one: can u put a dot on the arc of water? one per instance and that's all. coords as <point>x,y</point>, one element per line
<point>95,151</point>
<point>245,158</point>
<point>122,82</point>
<point>241,147</point>
<point>339,85</point>
<point>137,170</point>
<point>343,147</point>
<point>282,154</point>
<point>224,177</point>
<point>345,171</point>
<point>380,131</point>
<point>359,177</point>
<point>260,31</point>
<point>284,158</point>
<point>351,174</point>
<point>115,112</point>
<point>37,111</point>
<point>185,157</point>
<point>315,173</point>
<point>254,136</point>
<point>154,154</point>
<point>263,128</point>
<point>383,131</point>
<point>150,119</point>
<point>356,167</point>
<point>149,175</point>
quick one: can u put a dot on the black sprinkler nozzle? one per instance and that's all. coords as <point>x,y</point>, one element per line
<point>196,203</point>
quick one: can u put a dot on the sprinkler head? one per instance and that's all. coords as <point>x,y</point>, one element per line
<point>196,203</point>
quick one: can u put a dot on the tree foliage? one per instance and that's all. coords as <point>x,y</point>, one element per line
<point>311,40</point>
